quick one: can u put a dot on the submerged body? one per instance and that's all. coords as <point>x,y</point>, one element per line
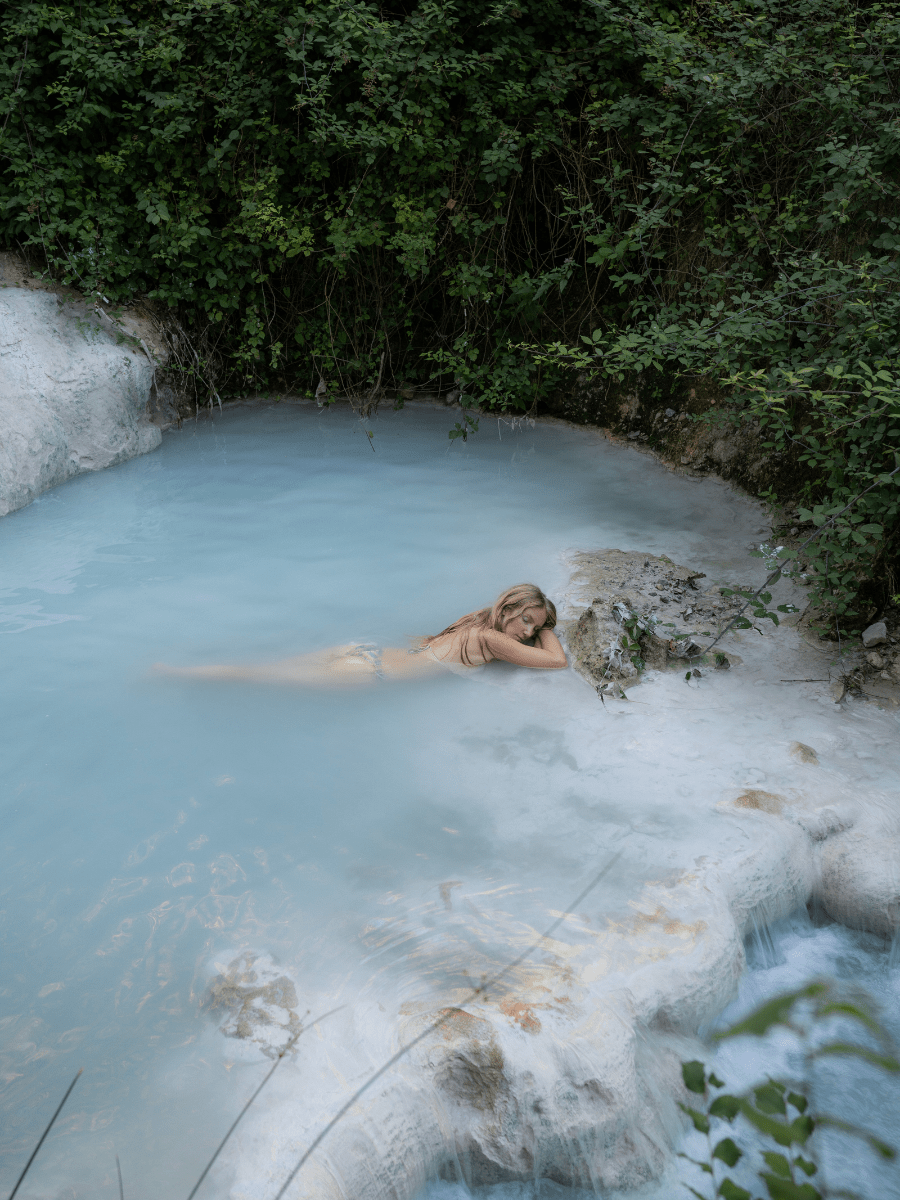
<point>518,629</point>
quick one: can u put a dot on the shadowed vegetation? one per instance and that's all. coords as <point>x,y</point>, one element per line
<point>481,196</point>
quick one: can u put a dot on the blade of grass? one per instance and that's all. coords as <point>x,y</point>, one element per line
<point>34,1152</point>
<point>121,1188</point>
<point>476,992</point>
<point>240,1116</point>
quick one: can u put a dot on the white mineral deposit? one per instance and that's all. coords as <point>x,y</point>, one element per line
<point>74,393</point>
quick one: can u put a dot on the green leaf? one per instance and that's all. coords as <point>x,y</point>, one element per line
<point>777,1163</point>
<point>856,1012</point>
<point>883,1148</point>
<point>797,1101</point>
<point>769,1099</point>
<point>784,1189</point>
<point>726,1107</point>
<point>699,1119</point>
<point>777,1130</point>
<point>801,1129</point>
<point>774,1012</point>
<point>886,1062</point>
<point>808,1168</point>
<point>731,1191</point>
<point>728,1152</point>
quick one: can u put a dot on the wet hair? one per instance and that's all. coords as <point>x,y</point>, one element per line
<point>505,608</point>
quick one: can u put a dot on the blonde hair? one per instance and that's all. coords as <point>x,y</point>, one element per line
<point>505,608</point>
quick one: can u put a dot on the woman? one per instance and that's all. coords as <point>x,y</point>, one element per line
<point>517,628</point>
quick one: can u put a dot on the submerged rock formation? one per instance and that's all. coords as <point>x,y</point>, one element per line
<point>74,393</point>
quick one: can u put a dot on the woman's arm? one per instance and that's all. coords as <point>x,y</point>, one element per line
<point>547,655</point>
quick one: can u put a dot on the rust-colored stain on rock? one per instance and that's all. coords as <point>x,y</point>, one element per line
<point>761,801</point>
<point>804,753</point>
<point>522,1013</point>
<point>671,926</point>
<point>456,1022</point>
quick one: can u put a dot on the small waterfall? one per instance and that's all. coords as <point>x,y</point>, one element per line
<point>761,948</point>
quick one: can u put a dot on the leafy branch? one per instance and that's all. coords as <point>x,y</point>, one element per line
<point>779,1115</point>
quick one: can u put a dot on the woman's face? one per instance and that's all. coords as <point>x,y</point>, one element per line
<point>524,625</point>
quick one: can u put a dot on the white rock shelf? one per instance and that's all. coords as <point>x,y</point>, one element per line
<point>569,1069</point>
<point>73,394</point>
<point>572,1065</point>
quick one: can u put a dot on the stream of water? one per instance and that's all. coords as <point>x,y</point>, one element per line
<point>364,847</point>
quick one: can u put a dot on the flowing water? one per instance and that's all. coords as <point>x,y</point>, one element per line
<point>363,848</point>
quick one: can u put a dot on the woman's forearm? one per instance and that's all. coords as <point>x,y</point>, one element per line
<point>547,640</point>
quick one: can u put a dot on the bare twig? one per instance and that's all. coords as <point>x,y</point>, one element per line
<point>374,391</point>
<point>44,1135</point>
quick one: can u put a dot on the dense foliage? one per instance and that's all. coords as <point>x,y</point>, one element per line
<point>489,192</point>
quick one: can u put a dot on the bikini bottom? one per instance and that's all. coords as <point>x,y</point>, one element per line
<point>369,653</point>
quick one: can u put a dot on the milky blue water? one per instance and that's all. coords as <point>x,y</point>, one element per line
<point>153,830</point>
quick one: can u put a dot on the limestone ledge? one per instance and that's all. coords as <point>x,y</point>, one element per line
<point>76,391</point>
<point>634,611</point>
<point>570,1068</point>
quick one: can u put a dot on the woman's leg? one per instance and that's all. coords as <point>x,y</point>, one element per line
<point>339,666</point>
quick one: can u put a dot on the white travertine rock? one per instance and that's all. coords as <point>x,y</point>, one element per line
<point>71,399</point>
<point>860,878</point>
<point>571,1069</point>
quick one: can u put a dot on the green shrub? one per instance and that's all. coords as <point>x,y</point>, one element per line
<point>486,192</point>
<point>779,1113</point>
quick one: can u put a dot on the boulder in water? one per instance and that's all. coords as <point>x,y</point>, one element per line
<point>646,611</point>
